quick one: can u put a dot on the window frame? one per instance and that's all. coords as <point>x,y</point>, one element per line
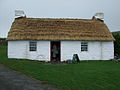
<point>84,46</point>
<point>32,46</point>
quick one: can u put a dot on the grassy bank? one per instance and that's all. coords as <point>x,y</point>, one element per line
<point>91,75</point>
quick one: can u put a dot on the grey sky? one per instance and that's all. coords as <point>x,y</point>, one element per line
<point>83,9</point>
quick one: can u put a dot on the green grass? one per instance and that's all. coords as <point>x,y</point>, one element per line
<point>91,75</point>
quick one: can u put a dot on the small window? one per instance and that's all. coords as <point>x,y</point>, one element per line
<point>84,46</point>
<point>33,46</point>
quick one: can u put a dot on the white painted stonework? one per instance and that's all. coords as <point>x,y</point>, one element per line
<point>97,50</point>
<point>20,50</point>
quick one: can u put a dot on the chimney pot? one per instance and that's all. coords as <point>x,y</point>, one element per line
<point>19,13</point>
<point>99,16</point>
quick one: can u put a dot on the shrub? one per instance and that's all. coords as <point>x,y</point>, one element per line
<point>116,43</point>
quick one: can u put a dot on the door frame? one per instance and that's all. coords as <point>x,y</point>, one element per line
<point>58,44</point>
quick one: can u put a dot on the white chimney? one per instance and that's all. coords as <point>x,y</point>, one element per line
<point>99,16</point>
<point>19,13</point>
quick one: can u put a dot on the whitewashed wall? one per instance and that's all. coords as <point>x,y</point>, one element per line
<point>107,50</point>
<point>17,49</point>
<point>20,49</point>
<point>96,50</point>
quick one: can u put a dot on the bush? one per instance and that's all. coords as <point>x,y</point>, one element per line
<point>116,43</point>
<point>3,41</point>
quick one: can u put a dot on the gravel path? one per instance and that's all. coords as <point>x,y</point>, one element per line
<point>12,80</point>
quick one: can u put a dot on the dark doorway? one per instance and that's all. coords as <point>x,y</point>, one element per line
<point>55,51</point>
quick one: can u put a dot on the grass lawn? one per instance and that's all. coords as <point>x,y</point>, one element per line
<point>91,75</point>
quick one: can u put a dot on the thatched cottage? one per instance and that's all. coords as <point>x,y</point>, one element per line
<point>58,39</point>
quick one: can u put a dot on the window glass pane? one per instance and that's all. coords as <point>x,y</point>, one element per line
<point>84,46</point>
<point>32,43</point>
<point>32,49</point>
<point>33,46</point>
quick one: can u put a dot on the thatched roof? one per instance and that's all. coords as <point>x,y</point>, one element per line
<point>58,29</point>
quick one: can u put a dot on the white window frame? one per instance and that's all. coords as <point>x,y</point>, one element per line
<point>32,46</point>
<point>84,46</point>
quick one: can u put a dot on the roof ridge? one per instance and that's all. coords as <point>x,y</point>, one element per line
<point>53,18</point>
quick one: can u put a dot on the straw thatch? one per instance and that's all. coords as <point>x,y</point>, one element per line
<point>58,29</point>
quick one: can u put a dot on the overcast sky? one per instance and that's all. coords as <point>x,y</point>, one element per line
<point>82,9</point>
